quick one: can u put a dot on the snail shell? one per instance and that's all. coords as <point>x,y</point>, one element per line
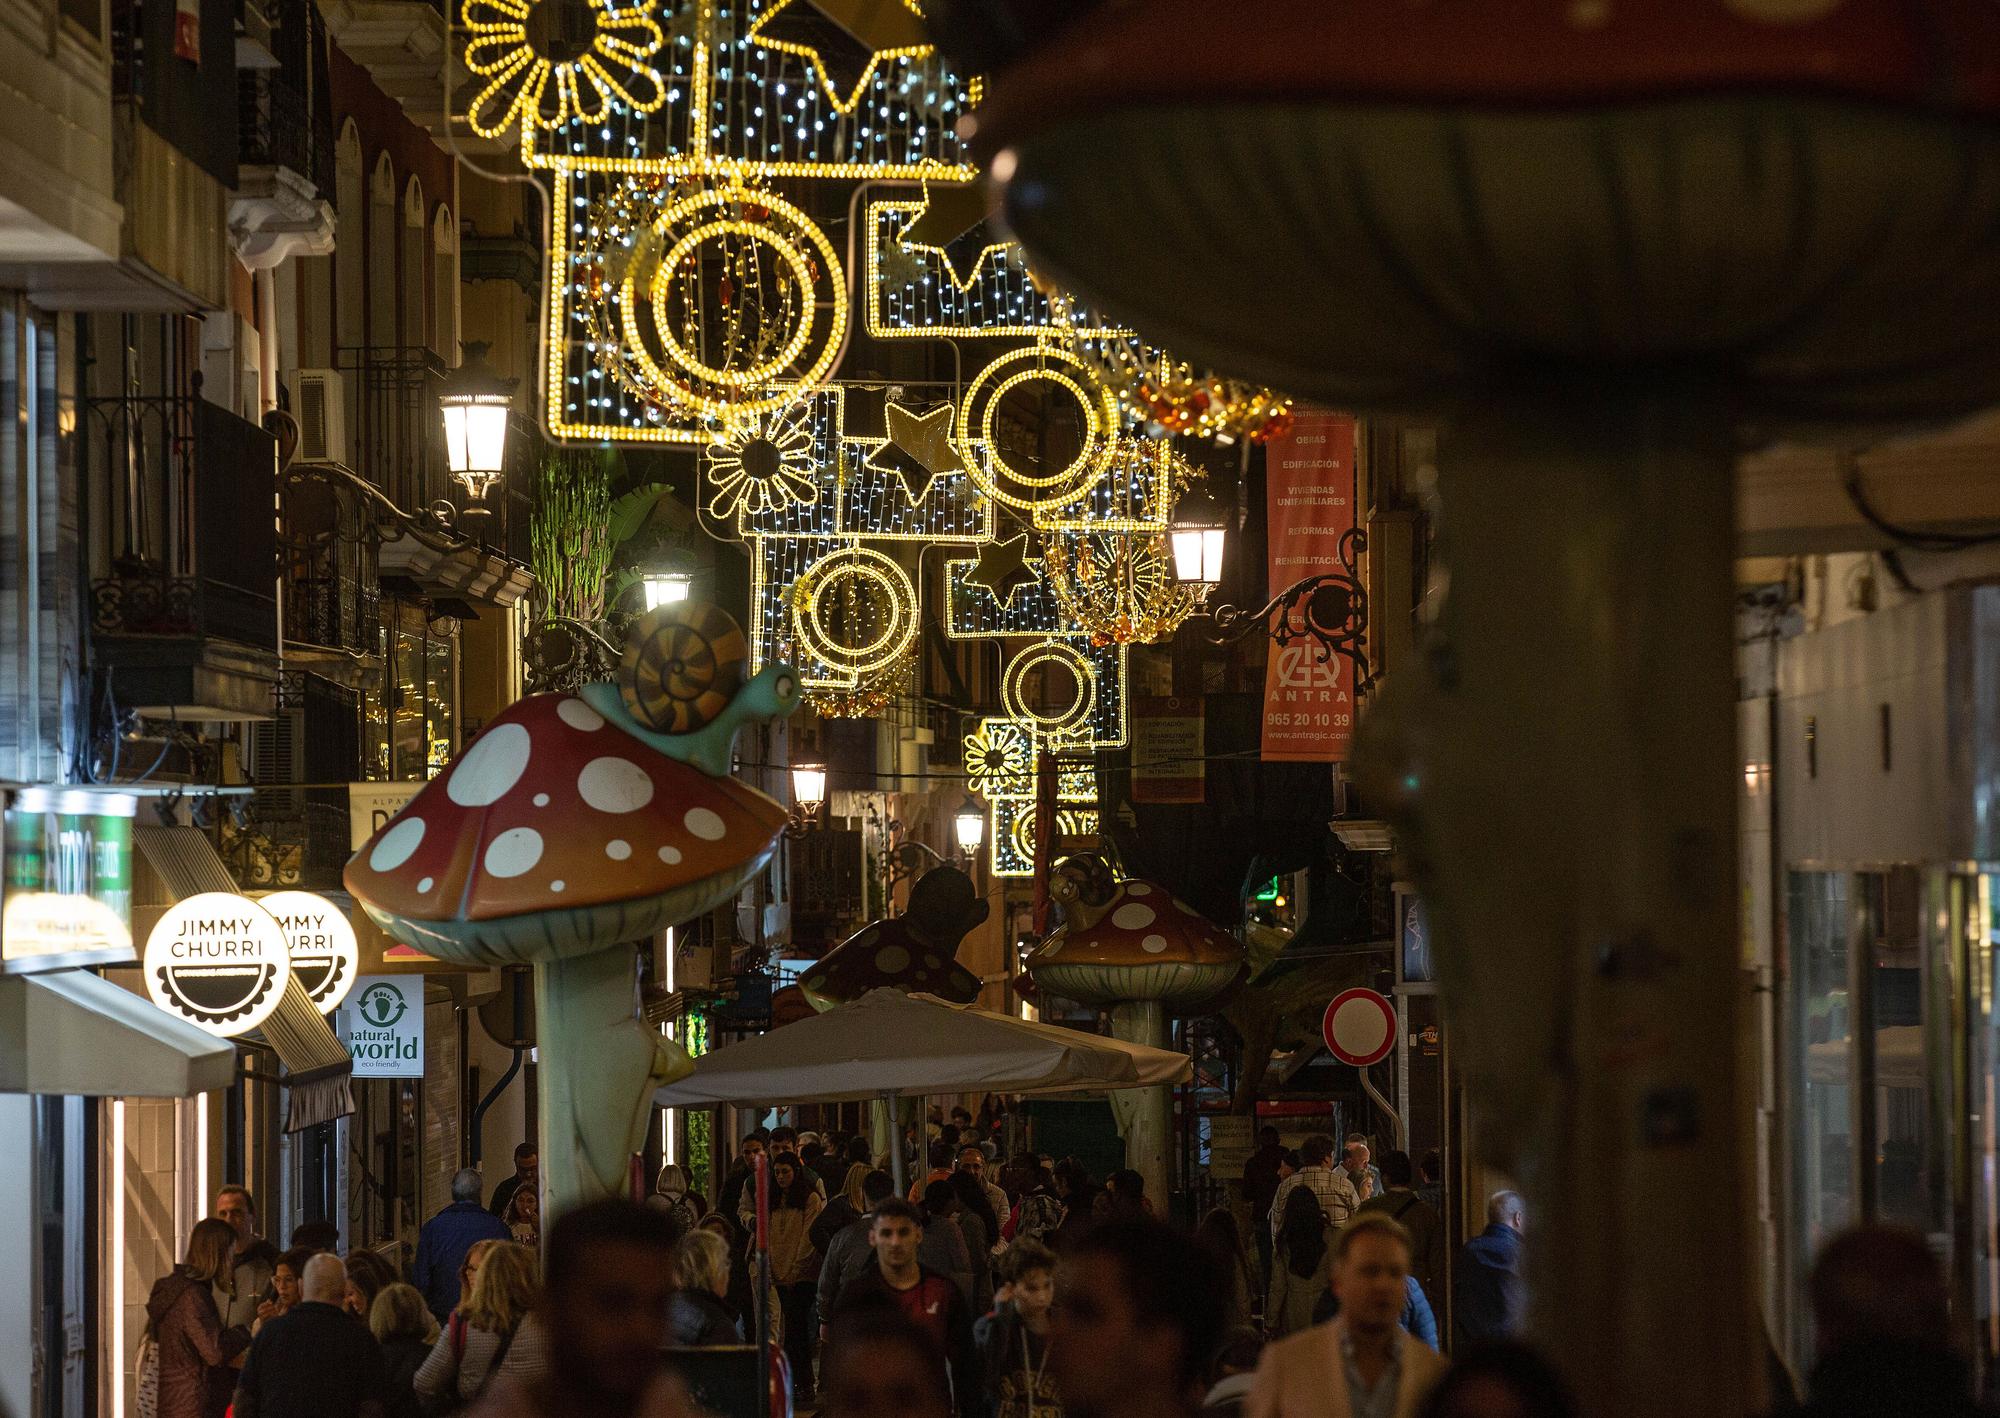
<point>683,663</point>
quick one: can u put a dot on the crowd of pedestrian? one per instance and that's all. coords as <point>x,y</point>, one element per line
<point>988,1297</point>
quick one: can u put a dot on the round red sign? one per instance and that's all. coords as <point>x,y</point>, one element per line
<point>1359,1027</point>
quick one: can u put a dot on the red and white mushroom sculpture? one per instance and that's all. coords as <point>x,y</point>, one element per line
<point>572,826</point>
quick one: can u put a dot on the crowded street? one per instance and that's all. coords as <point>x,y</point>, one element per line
<point>999,708</point>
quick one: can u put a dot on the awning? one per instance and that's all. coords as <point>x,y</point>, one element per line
<point>70,1031</point>
<point>179,862</point>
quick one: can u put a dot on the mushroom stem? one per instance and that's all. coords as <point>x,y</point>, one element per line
<point>597,1068</point>
<point>1586,929</point>
<point>1145,1116</point>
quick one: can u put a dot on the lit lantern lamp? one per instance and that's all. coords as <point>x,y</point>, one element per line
<point>808,792</point>
<point>1199,527</point>
<point>476,403</point>
<point>665,587</point>
<point>969,826</point>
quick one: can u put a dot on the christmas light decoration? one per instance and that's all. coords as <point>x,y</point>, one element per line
<point>1137,493</point>
<point>1000,759</point>
<point>856,611</point>
<point>536,81</point>
<point>1013,833</point>
<point>1007,480</point>
<point>762,467</point>
<point>1003,568</point>
<point>919,447</point>
<point>1117,587</point>
<point>817,30</point>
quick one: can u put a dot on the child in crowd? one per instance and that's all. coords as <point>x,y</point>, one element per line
<point>1014,1339</point>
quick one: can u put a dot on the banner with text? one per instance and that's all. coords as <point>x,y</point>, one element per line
<point>1309,503</point>
<point>1167,748</point>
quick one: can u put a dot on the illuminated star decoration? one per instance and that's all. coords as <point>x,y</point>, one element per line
<point>953,224</point>
<point>844,40</point>
<point>919,449</point>
<point>1003,568</point>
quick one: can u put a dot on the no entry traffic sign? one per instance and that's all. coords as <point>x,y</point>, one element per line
<point>1359,1027</point>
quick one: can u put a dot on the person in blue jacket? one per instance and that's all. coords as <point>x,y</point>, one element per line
<point>1488,1296</point>
<point>445,1239</point>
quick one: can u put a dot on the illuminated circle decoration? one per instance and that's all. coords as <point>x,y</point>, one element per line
<point>320,940</point>
<point>1000,759</point>
<point>683,664</point>
<point>1117,587</point>
<point>855,610</point>
<point>709,299</point>
<point>218,961</point>
<point>1058,654</point>
<point>762,466</point>
<point>978,423</point>
<point>530,84</point>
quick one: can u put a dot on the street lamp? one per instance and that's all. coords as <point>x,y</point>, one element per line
<point>969,826</point>
<point>476,402</point>
<point>808,792</point>
<point>663,588</point>
<point>1199,527</point>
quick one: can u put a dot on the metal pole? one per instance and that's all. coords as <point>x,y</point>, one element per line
<point>760,1303</point>
<point>899,1166</point>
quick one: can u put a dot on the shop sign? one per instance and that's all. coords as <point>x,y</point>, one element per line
<point>382,1025</point>
<point>1413,935</point>
<point>68,879</point>
<point>1167,740</point>
<point>325,954</point>
<point>1309,500</point>
<point>219,961</point>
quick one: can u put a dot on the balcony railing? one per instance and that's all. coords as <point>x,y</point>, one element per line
<point>396,429</point>
<point>194,550</point>
<point>280,123</point>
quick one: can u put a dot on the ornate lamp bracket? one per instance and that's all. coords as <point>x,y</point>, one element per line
<point>1330,610</point>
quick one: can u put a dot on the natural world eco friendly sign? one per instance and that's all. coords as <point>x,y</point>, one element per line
<point>219,961</point>
<point>383,1027</point>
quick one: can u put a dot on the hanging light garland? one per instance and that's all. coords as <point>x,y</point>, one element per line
<point>1118,588</point>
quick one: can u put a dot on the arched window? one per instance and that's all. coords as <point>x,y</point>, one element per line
<point>381,280</point>
<point>350,237</point>
<point>414,270</point>
<point>444,285</point>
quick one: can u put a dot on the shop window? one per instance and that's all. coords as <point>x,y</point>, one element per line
<point>412,725</point>
<point>1822,1065</point>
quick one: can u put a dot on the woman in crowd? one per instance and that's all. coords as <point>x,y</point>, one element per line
<point>401,1323</point>
<point>367,1275</point>
<point>1219,1232</point>
<point>672,1195</point>
<point>981,1229</point>
<point>285,1278</point>
<point>184,1326</point>
<point>721,1224</point>
<point>482,1331</point>
<point>1301,1265</point>
<point>524,1216</point>
<point>795,1264</point>
<point>699,1315</point>
<point>1079,1198</point>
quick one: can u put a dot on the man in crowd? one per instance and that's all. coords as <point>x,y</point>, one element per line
<point>1337,1200</point>
<point>446,1237</point>
<point>526,1163</point>
<point>942,1248</point>
<point>1260,1188</point>
<point>928,1299</point>
<point>603,1309</point>
<point>253,1261</point>
<point>316,1360</point>
<point>1398,1199</point>
<point>972,1161</point>
<point>1038,1213</point>
<point>1366,1359</point>
<point>1362,1174</point>
<point>877,1364</point>
<point>730,1202</point>
<point>1140,1310</point>
<point>941,1156</point>
<point>1488,1297</point>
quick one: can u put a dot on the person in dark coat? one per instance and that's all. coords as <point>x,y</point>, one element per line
<point>1399,1200</point>
<point>897,1282</point>
<point>444,1240</point>
<point>1489,1298</point>
<point>319,1361</point>
<point>186,1327</point>
<point>1882,1330</point>
<point>1260,1188</point>
<point>401,1323</point>
<point>699,1315</point>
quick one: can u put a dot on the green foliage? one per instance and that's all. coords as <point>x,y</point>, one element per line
<point>576,532</point>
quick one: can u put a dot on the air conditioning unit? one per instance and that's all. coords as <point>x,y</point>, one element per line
<point>319,402</point>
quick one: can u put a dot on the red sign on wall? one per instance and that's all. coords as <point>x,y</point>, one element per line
<point>1309,499</point>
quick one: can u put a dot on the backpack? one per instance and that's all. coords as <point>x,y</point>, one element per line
<point>146,1371</point>
<point>1041,1214</point>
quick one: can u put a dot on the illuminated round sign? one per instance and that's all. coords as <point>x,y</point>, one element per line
<point>324,953</point>
<point>1359,1027</point>
<point>218,961</point>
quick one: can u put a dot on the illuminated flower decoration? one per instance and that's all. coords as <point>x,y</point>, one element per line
<point>1000,759</point>
<point>762,466</point>
<point>536,75</point>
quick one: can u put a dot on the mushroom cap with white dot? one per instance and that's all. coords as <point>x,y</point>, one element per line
<point>1153,944</point>
<point>1138,888</point>
<point>580,716</point>
<point>671,856</point>
<point>705,824</point>
<point>425,884</point>
<point>612,784</point>
<point>491,767</point>
<point>513,852</point>
<point>1133,917</point>
<point>396,845</point>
